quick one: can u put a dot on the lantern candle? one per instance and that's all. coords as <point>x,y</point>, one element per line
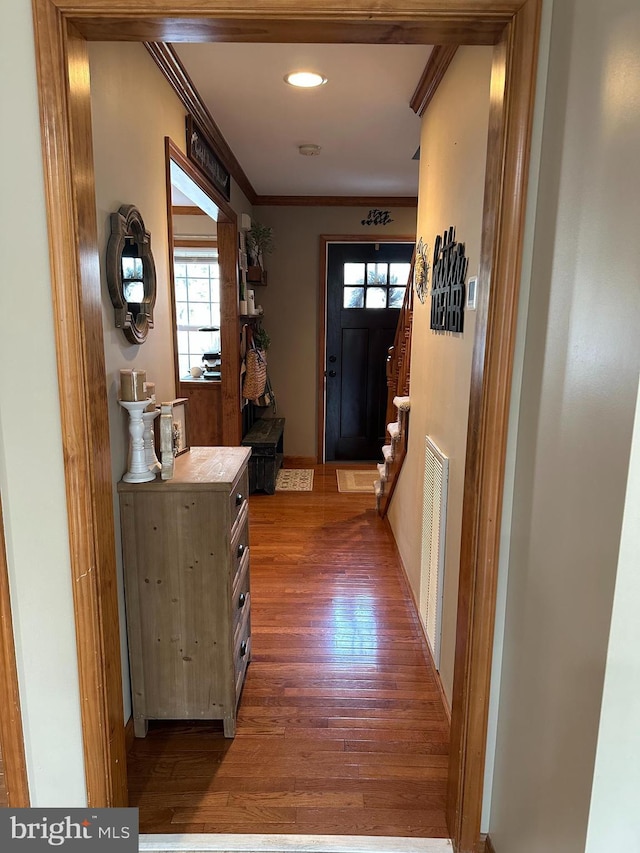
<point>132,384</point>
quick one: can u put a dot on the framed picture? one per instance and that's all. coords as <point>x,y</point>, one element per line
<point>173,433</point>
<point>180,426</point>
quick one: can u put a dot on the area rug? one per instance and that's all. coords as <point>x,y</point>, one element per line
<point>294,480</point>
<point>356,480</point>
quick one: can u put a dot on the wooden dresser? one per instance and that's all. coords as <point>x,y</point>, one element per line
<point>186,566</point>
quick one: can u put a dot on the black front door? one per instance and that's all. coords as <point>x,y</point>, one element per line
<point>365,289</point>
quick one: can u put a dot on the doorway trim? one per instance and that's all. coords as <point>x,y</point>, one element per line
<point>325,239</point>
<point>11,734</point>
<point>61,29</point>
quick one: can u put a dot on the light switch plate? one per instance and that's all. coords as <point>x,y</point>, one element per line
<point>472,293</point>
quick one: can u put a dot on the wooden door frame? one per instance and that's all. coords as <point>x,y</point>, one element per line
<point>11,734</point>
<point>61,30</point>
<point>227,228</point>
<point>325,239</point>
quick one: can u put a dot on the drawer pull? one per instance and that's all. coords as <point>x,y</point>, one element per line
<point>241,549</point>
<point>242,599</point>
<point>239,499</point>
<point>243,648</point>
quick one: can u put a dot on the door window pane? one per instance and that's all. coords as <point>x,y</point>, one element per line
<point>377,274</point>
<point>376,297</point>
<point>399,274</point>
<point>353,297</point>
<point>396,297</point>
<point>353,274</point>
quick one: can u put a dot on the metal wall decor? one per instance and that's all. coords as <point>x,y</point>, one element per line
<point>447,283</point>
<point>377,217</point>
<point>421,270</point>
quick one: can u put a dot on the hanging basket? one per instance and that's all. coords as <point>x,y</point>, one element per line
<point>255,377</point>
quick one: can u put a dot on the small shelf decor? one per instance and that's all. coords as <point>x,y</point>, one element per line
<point>259,243</point>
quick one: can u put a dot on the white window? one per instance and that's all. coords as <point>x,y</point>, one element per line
<point>197,290</point>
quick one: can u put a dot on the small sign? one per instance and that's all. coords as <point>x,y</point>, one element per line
<point>201,153</point>
<point>377,217</point>
<point>81,830</point>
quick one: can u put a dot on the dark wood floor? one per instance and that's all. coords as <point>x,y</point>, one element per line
<point>341,728</point>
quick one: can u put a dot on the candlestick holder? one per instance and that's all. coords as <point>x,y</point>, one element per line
<point>149,441</point>
<point>138,468</point>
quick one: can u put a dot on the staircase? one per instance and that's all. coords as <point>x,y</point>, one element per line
<point>398,403</point>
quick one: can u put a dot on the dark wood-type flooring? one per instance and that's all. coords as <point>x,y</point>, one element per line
<point>341,728</point>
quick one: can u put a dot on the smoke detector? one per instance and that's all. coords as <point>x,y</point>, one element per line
<point>309,150</point>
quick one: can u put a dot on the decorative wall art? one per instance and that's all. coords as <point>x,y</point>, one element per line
<point>377,217</point>
<point>421,270</point>
<point>131,274</point>
<point>201,153</point>
<point>448,276</point>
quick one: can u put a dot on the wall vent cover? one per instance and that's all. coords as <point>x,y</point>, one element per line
<point>434,525</point>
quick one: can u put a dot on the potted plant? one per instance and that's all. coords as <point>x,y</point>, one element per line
<point>261,337</point>
<point>259,243</point>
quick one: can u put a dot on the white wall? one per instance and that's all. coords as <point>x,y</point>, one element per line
<point>290,303</point>
<point>453,148</point>
<point>614,819</point>
<point>579,388</point>
<point>31,464</point>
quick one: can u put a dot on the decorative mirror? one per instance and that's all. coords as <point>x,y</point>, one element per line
<point>131,274</point>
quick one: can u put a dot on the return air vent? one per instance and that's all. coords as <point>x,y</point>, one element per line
<point>434,525</point>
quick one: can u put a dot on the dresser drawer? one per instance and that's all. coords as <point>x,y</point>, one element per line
<point>240,599</point>
<point>242,647</point>
<point>239,547</point>
<point>238,497</point>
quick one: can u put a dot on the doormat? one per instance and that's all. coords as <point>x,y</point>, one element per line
<point>294,480</point>
<point>360,480</point>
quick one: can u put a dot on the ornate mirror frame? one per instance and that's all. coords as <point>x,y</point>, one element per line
<point>128,231</point>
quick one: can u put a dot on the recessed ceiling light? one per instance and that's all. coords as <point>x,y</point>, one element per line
<point>305,79</point>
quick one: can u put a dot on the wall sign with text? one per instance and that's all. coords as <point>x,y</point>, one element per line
<point>448,275</point>
<point>200,152</point>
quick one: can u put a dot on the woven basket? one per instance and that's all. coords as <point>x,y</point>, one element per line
<point>255,378</point>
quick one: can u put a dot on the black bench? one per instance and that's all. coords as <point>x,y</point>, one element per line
<point>265,438</point>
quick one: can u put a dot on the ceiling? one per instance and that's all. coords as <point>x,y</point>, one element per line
<point>361,117</point>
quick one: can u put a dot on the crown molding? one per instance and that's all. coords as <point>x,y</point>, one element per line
<point>176,75</point>
<point>336,201</point>
<point>434,71</point>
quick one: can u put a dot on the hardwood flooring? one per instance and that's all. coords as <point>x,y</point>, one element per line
<point>341,728</point>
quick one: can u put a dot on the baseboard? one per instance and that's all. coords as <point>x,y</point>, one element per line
<point>425,643</point>
<point>299,462</point>
<point>129,735</point>
<point>231,843</point>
